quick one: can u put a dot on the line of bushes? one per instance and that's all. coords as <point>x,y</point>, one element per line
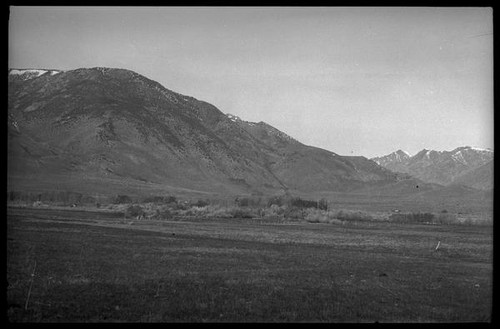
<point>297,202</point>
<point>275,212</point>
<point>425,217</point>
<point>53,197</point>
<point>165,212</point>
<point>282,208</point>
<point>336,216</point>
<point>284,213</point>
<point>69,197</point>
<point>419,217</point>
<point>76,198</point>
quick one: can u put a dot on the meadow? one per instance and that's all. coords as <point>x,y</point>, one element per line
<point>67,265</point>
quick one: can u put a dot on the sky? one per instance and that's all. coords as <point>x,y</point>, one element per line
<point>353,80</point>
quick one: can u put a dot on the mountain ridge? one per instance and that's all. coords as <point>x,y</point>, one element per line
<point>104,127</point>
<point>445,167</point>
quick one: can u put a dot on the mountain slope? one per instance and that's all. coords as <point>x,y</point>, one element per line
<point>110,130</point>
<point>444,167</point>
<point>479,178</point>
<point>396,161</point>
<point>117,124</point>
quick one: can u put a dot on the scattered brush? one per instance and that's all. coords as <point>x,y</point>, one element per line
<point>322,216</point>
<point>350,215</point>
<point>282,208</point>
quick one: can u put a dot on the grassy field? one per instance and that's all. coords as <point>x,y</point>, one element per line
<point>77,266</point>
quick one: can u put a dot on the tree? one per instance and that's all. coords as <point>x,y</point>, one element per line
<point>323,204</point>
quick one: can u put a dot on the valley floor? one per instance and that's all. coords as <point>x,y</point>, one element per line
<point>98,267</point>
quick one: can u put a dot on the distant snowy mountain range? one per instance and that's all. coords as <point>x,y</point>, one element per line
<point>465,165</point>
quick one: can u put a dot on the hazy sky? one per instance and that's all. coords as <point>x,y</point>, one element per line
<point>355,81</point>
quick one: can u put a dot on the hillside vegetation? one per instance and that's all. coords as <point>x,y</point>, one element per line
<point>115,130</point>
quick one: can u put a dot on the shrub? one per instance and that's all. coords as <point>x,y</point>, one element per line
<point>315,216</point>
<point>195,211</point>
<point>61,197</point>
<point>202,203</point>
<point>272,211</point>
<point>163,213</point>
<point>300,203</point>
<point>38,204</point>
<point>476,220</point>
<point>352,215</point>
<point>323,204</point>
<point>413,217</point>
<point>121,198</point>
<point>219,212</point>
<point>248,202</point>
<point>134,211</point>
<point>275,200</point>
<point>321,216</point>
<point>170,199</point>
<point>424,217</point>
<point>293,213</point>
<point>241,213</point>
<point>398,218</point>
<point>446,218</point>
<point>181,205</point>
<point>242,202</point>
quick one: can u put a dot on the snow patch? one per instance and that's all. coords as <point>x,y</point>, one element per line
<point>233,117</point>
<point>14,123</point>
<point>458,156</point>
<point>33,72</point>
<point>480,149</point>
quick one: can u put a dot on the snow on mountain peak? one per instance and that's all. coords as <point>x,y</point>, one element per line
<point>233,118</point>
<point>398,156</point>
<point>32,73</point>
<point>401,153</point>
<point>481,149</point>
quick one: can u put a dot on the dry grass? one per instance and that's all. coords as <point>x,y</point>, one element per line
<point>97,270</point>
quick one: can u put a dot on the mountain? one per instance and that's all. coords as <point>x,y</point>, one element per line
<point>463,165</point>
<point>396,161</point>
<point>479,178</point>
<point>109,131</point>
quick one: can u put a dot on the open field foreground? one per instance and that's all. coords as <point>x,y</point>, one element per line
<point>100,267</point>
